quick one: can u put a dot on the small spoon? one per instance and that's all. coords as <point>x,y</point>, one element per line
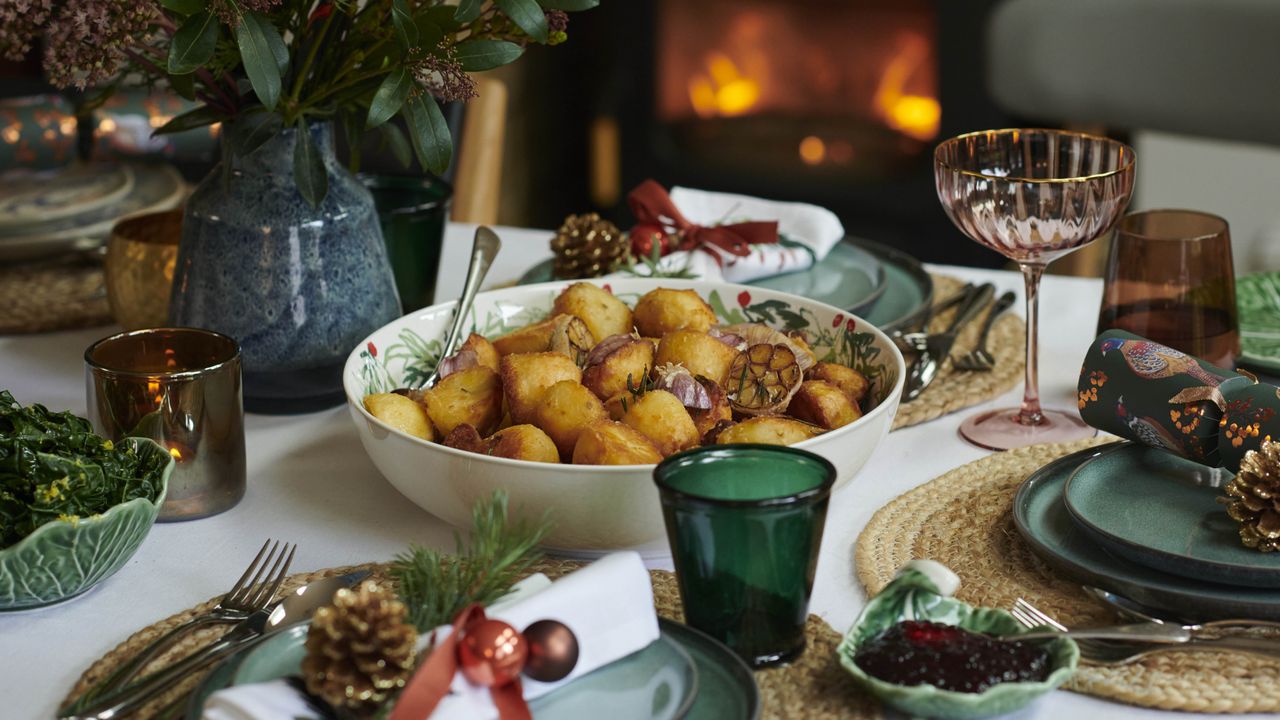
<point>483,251</point>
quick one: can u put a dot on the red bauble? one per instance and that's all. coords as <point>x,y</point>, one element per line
<point>491,653</point>
<point>553,651</point>
<point>645,236</point>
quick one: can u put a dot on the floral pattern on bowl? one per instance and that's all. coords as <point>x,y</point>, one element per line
<point>922,591</point>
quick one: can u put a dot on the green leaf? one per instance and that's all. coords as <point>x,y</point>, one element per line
<point>278,49</point>
<point>428,132</point>
<point>397,142</point>
<point>199,117</point>
<point>442,16</point>
<point>406,31</point>
<point>468,10</point>
<point>569,5</point>
<point>476,55</point>
<point>528,16</point>
<point>251,130</point>
<point>258,57</point>
<point>389,98</point>
<point>308,167</point>
<point>185,7</point>
<point>429,32</point>
<point>184,85</point>
<point>193,44</point>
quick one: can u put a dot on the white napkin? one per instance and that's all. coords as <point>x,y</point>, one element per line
<point>816,229</point>
<point>608,605</point>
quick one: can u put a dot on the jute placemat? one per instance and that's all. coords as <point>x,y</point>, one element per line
<point>954,390</point>
<point>814,687</point>
<point>963,519</point>
<point>56,295</point>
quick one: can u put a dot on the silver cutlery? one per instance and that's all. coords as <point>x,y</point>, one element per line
<point>1030,617</point>
<point>483,250</point>
<point>1129,609</point>
<point>980,359</point>
<point>296,606</point>
<point>1106,652</point>
<point>933,348</point>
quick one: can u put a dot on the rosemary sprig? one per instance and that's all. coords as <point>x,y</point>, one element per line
<point>654,268</point>
<point>436,587</point>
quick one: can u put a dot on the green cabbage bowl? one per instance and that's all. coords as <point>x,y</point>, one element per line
<point>61,559</point>
<point>922,591</point>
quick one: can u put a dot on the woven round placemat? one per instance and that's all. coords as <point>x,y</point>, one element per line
<point>813,687</point>
<point>52,295</point>
<point>964,520</point>
<point>953,389</point>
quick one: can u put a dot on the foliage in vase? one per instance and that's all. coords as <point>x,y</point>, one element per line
<point>268,65</point>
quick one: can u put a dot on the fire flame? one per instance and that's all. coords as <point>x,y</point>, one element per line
<point>723,90</point>
<point>916,116</point>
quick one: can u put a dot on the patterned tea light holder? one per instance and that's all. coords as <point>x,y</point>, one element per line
<point>1161,397</point>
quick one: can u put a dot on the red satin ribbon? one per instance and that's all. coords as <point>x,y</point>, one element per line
<point>655,212</point>
<point>430,684</point>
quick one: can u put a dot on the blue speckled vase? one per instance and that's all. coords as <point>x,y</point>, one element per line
<point>297,286</point>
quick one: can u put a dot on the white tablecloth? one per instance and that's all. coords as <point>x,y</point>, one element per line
<point>310,482</point>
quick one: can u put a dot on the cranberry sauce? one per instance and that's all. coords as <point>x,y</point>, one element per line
<point>915,652</point>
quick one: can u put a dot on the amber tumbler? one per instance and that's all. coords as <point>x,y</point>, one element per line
<point>1170,279</point>
<point>141,255</point>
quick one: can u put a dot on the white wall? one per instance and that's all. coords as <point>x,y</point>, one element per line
<point>1238,181</point>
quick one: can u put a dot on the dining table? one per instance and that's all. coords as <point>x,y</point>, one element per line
<point>311,483</point>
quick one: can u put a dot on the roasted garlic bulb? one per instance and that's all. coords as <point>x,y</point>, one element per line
<point>763,378</point>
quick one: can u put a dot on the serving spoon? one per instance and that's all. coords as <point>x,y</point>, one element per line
<point>483,250</point>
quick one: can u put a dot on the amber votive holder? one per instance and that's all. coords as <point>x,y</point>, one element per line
<point>180,387</point>
<point>142,253</point>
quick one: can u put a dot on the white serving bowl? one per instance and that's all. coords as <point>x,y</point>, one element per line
<point>595,508</point>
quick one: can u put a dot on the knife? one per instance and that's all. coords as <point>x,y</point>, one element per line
<point>934,348</point>
<point>295,607</point>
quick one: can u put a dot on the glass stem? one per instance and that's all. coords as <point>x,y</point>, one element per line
<point>1030,413</point>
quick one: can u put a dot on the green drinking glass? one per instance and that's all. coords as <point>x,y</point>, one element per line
<point>745,524</point>
<point>412,212</point>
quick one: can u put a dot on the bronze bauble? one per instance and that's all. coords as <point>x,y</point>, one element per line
<point>491,653</point>
<point>553,651</point>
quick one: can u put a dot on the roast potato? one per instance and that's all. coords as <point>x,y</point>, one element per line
<point>565,409</point>
<point>472,396</point>
<point>400,413</point>
<point>769,430</point>
<point>661,417</point>
<point>486,353</point>
<point>618,405</point>
<point>523,442</point>
<point>801,341</point>
<point>603,313</point>
<point>528,339</point>
<point>606,442</point>
<point>850,381</point>
<point>663,310</point>
<point>526,375</point>
<point>706,420</point>
<point>630,363</point>
<point>823,404</point>
<point>465,437</point>
<point>698,352</point>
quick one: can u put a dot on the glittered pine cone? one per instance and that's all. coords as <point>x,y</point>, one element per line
<point>586,246</point>
<point>360,650</point>
<point>1253,498</point>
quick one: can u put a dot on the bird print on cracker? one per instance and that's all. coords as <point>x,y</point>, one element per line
<point>1146,430</point>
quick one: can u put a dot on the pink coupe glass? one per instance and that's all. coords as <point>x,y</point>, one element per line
<point>1032,196</point>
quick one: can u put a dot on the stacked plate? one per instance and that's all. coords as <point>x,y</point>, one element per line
<point>683,674</point>
<point>74,208</point>
<point>884,286</point>
<point>1146,524</point>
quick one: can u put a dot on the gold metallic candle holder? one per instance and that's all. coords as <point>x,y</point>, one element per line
<point>181,388</point>
<point>141,255</point>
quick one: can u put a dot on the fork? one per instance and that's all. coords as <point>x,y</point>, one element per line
<point>980,359</point>
<point>245,597</point>
<point>1103,652</point>
<point>1151,633</point>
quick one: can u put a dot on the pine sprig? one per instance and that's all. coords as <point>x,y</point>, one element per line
<point>436,587</point>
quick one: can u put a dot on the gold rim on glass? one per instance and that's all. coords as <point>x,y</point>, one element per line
<point>1125,150</point>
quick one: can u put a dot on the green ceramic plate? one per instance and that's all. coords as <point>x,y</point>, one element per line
<point>61,560</point>
<point>1042,519</point>
<point>682,675</point>
<point>1157,509</point>
<point>1258,298</point>
<point>885,287</point>
<point>918,593</point>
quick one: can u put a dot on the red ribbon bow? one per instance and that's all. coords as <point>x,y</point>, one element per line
<point>430,684</point>
<point>656,213</point>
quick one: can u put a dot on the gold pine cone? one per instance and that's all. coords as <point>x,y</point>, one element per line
<point>586,246</point>
<point>360,650</point>
<point>1253,498</point>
